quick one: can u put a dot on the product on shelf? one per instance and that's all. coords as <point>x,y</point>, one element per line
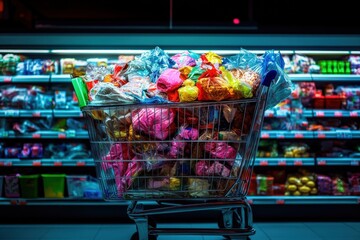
<point>75,185</point>
<point>296,150</point>
<point>54,185</point>
<point>300,64</point>
<point>324,184</point>
<point>354,64</point>
<point>352,96</point>
<point>340,187</point>
<point>67,151</point>
<point>8,64</point>
<point>1,185</point>
<point>31,151</point>
<point>267,149</point>
<point>264,185</point>
<point>301,184</point>
<point>26,97</point>
<point>12,186</point>
<point>354,183</point>
<point>29,186</point>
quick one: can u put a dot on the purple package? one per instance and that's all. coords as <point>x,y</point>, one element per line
<point>12,187</point>
<point>183,59</point>
<point>324,184</point>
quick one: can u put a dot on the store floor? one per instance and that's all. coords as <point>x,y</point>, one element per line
<point>265,231</point>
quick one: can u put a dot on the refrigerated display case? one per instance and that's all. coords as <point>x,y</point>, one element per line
<point>294,137</point>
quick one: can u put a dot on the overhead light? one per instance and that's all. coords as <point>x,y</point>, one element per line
<point>23,51</point>
<point>97,51</point>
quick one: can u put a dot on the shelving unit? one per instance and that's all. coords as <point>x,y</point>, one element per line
<point>56,52</point>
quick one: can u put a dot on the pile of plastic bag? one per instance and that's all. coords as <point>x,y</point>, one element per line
<point>155,77</point>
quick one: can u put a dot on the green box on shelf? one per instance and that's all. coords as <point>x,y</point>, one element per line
<point>29,186</point>
<point>54,185</point>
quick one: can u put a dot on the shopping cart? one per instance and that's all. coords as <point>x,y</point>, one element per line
<point>186,157</point>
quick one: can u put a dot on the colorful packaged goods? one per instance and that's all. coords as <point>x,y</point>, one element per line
<point>177,148</point>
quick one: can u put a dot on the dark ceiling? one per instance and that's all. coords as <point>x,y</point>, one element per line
<point>255,16</point>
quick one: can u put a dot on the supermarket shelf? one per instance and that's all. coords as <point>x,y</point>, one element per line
<point>338,161</point>
<point>62,78</point>
<point>306,77</point>
<point>25,113</point>
<point>336,134</point>
<point>274,134</point>
<point>67,113</point>
<point>284,162</point>
<point>47,135</point>
<point>8,162</point>
<point>277,113</point>
<point>335,113</point>
<point>303,200</point>
<point>25,79</point>
<point>335,77</point>
<point>257,200</point>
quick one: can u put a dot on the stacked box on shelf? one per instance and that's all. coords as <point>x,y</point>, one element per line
<point>54,185</point>
<point>29,186</point>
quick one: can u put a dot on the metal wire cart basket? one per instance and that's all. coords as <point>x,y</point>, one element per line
<point>187,157</point>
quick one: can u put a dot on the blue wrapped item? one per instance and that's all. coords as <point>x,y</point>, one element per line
<point>151,63</point>
<point>243,60</point>
<point>273,71</point>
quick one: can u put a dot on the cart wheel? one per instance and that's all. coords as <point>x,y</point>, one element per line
<point>135,236</point>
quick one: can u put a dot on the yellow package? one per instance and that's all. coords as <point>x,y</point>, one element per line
<point>188,92</point>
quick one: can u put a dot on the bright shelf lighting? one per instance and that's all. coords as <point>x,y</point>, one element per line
<point>23,51</point>
<point>92,51</point>
<point>323,52</point>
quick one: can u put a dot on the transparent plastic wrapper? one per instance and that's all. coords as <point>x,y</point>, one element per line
<point>151,63</point>
<point>273,68</point>
<point>184,59</point>
<point>188,92</point>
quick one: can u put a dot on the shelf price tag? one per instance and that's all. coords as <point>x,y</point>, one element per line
<point>36,114</point>
<point>12,113</point>
<point>319,114</point>
<point>298,162</point>
<point>61,135</point>
<point>338,114</point>
<point>58,163</point>
<point>282,162</point>
<point>265,135</point>
<point>6,164</point>
<point>280,136</point>
<point>264,163</point>
<point>36,163</point>
<point>322,163</point>
<point>321,135</point>
<point>80,163</point>
<point>36,135</point>
<point>353,114</point>
<point>280,201</point>
<point>299,135</point>
<point>7,79</point>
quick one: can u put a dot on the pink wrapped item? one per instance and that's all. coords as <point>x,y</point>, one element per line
<point>157,122</point>
<point>178,147</point>
<point>220,150</point>
<point>169,80</point>
<point>156,184</point>
<point>183,59</point>
<point>202,168</point>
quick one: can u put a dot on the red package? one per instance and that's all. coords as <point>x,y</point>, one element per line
<point>354,181</point>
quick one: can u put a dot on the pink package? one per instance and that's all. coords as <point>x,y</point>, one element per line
<point>202,168</point>
<point>169,80</point>
<point>157,122</point>
<point>221,150</point>
<point>183,59</point>
<point>177,147</point>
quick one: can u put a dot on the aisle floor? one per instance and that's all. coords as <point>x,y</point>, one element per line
<point>264,231</point>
